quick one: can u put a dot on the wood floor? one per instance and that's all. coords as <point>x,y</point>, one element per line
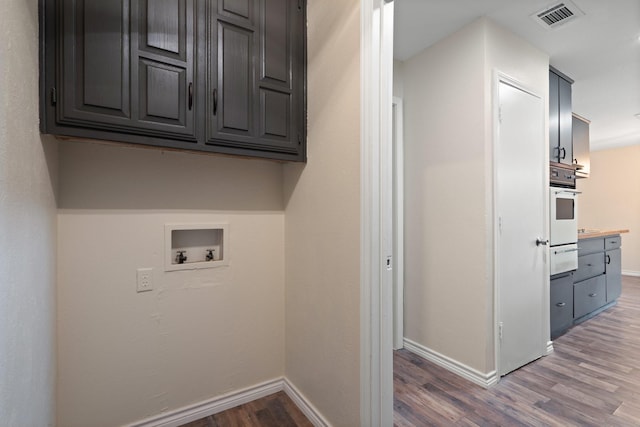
<point>591,379</point>
<point>276,410</point>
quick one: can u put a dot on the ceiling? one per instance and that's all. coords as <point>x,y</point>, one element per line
<point>600,51</point>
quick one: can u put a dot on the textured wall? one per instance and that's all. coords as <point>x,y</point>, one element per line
<point>27,229</point>
<point>124,356</point>
<point>611,199</point>
<point>322,218</point>
<point>449,186</point>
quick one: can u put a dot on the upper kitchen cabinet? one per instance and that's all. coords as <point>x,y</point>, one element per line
<point>256,80</point>
<point>226,76</point>
<point>560,118</point>
<point>581,146</point>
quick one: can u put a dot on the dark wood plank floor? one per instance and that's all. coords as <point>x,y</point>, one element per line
<point>591,379</point>
<point>276,410</point>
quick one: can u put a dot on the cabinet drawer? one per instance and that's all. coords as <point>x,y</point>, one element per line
<point>589,246</point>
<point>589,266</point>
<point>589,295</point>
<point>612,243</point>
<point>561,308</point>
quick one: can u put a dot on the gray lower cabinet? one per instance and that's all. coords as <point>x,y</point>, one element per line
<point>594,286</point>
<point>208,75</point>
<point>613,268</point>
<point>561,303</point>
<point>589,295</point>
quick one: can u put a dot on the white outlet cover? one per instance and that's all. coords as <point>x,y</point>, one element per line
<point>144,280</point>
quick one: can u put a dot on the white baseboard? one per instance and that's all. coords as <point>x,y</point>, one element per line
<point>467,372</point>
<point>631,273</point>
<point>203,409</point>
<point>304,405</point>
<point>549,348</point>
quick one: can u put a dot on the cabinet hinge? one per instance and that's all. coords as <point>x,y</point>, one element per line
<point>299,139</point>
<point>500,114</point>
<point>500,331</point>
<point>54,96</point>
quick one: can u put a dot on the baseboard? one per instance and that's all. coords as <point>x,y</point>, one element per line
<point>471,374</point>
<point>549,348</point>
<point>631,273</point>
<point>304,405</point>
<point>203,409</point>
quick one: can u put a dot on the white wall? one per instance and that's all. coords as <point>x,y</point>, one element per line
<point>322,221</point>
<point>448,186</point>
<point>27,229</point>
<point>610,199</point>
<point>125,356</point>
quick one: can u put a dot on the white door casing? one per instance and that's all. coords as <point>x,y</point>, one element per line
<point>520,199</point>
<point>376,241</point>
<point>398,224</point>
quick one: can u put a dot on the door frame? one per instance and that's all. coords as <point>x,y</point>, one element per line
<point>376,235</point>
<point>398,229</point>
<point>500,77</point>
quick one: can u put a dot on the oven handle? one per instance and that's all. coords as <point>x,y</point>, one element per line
<point>564,251</point>
<point>568,191</point>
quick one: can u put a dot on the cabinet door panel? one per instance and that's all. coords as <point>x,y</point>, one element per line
<point>231,112</point>
<point>561,308</point>
<point>275,48</point>
<point>554,111</point>
<point>95,62</point>
<point>162,87</point>
<point>164,24</point>
<point>614,274</point>
<point>236,8</point>
<point>589,295</point>
<point>163,74</point>
<point>565,122</point>
<point>275,107</point>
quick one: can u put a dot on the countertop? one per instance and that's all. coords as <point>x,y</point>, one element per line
<point>591,233</point>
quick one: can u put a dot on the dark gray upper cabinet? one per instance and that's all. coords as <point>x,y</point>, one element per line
<point>256,82</point>
<point>581,154</point>
<point>560,118</point>
<point>224,76</point>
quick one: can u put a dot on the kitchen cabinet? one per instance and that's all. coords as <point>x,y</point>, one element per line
<point>560,118</point>
<point>561,309</point>
<point>581,157</point>
<point>218,76</point>
<point>592,288</point>
<point>613,268</point>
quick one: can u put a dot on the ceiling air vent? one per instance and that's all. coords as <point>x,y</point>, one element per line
<point>557,14</point>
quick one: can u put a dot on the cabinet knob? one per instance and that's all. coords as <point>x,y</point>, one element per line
<point>561,304</point>
<point>593,295</point>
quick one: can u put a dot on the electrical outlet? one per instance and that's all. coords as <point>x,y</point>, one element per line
<point>145,280</point>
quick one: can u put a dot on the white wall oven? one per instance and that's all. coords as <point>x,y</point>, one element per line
<point>563,208</point>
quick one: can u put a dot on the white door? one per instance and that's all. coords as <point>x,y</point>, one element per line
<point>520,203</point>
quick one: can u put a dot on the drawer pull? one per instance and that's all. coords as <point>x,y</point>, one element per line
<point>561,304</point>
<point>593,295</point>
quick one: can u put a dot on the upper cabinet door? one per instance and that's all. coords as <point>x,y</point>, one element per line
<point>565,121</point>
<point>163,66</point>
<point>128,74</point>
<point>257,76</point>
<point>281,78</point>
<point>95,62</point>
<point>554,113</point>
<point>231,82</point>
